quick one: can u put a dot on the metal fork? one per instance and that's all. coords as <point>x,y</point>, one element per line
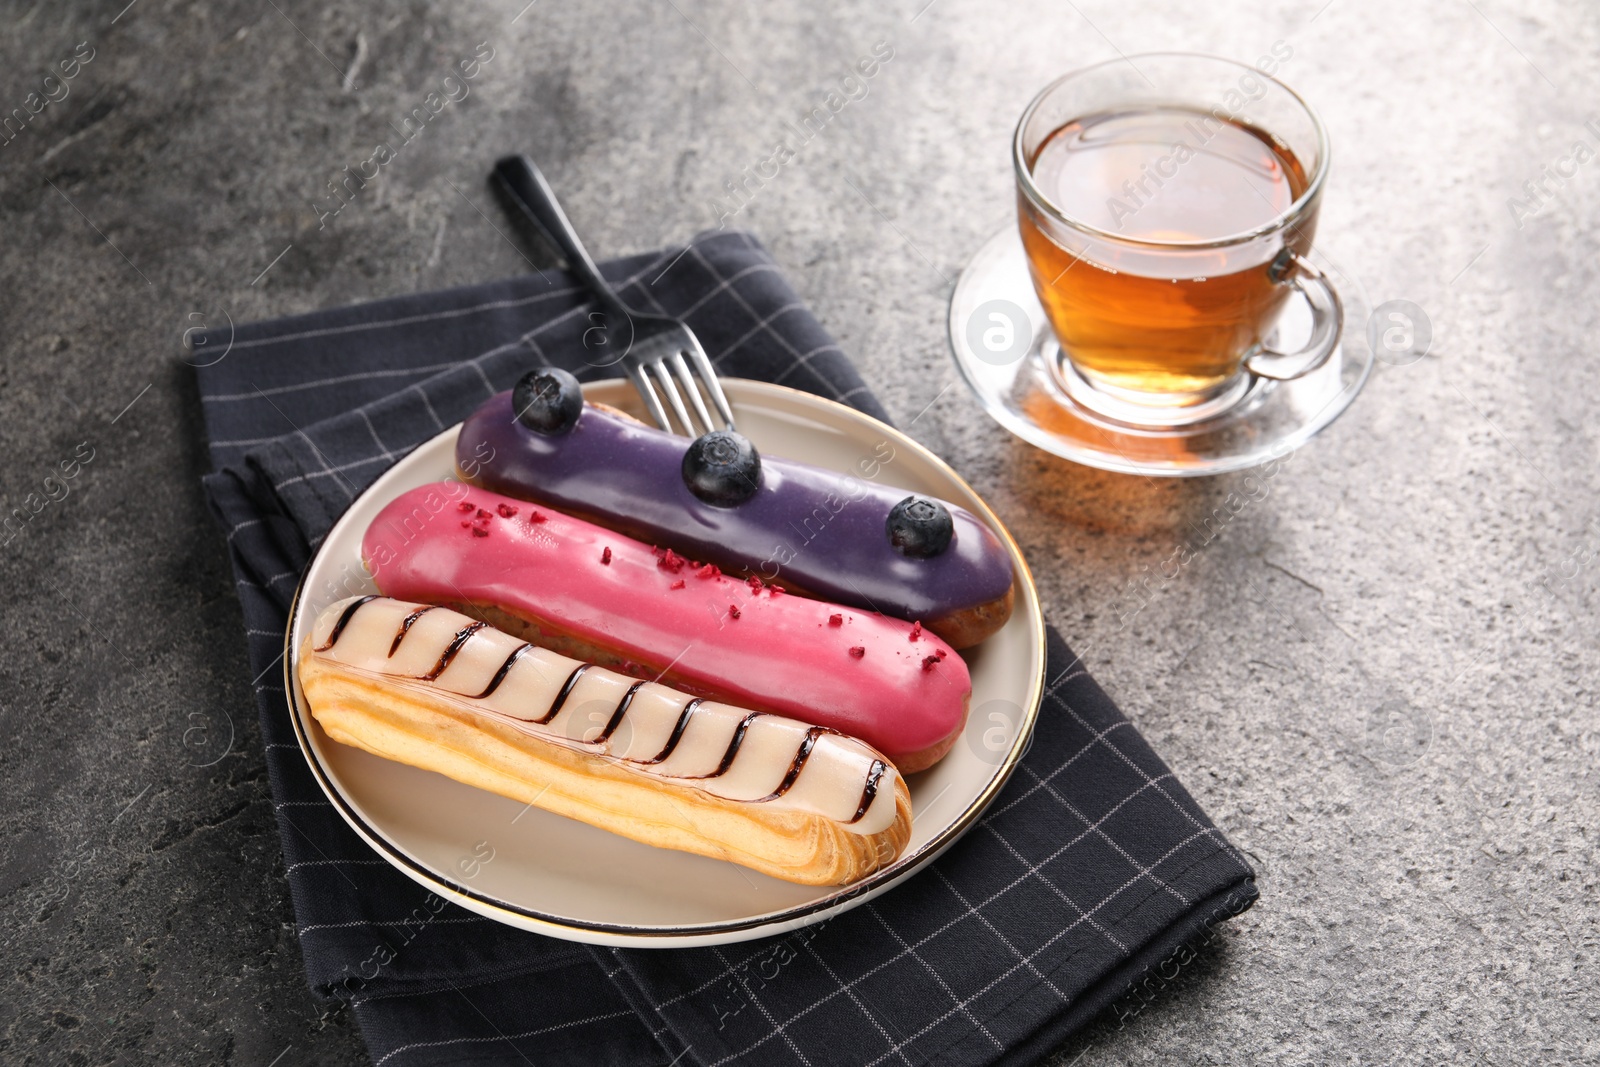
<point>659,348</point>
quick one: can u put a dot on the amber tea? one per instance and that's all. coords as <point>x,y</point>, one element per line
<point>1147,307</point>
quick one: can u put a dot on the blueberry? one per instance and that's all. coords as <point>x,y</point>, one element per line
<point>920,527</point>
<point>547,400</point>
<point>722,468</point>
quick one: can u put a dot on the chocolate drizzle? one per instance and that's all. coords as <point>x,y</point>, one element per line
<point>561,697</point>
<point>621,712</point>
<point>870,793</point>
<point>733,749</point>
<point>505,668</point>
<point>405,628</point>
<point>344,620</point>
<point>801,755</point>
<point>462,636</point>
<point>677,734</point>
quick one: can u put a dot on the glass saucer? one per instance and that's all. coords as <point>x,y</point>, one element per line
<point>1009,356</point>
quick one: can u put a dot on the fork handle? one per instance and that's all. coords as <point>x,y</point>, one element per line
<point>527,186</point>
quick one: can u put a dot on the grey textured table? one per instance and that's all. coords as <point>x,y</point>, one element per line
<point>1380,677</point>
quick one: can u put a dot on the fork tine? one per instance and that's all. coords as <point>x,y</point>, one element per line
<point>681,369</point>
<point>669,389</point>
<point>648,393</point>
<point>708,377</point>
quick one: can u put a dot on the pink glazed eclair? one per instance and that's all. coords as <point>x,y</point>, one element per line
<point>588,592</point>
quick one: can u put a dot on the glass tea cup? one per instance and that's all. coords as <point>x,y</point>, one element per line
<point>1167,204</point>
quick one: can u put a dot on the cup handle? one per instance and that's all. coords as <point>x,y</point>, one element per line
<point>1327,321</point>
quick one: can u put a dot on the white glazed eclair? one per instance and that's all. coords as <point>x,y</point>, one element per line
<point>430,687</point>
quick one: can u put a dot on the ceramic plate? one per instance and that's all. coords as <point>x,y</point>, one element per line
<point>552,875</point>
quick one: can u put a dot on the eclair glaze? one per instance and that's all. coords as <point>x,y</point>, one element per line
<point>819,530</point>
<point>669,618</point>
<point>646,727</point>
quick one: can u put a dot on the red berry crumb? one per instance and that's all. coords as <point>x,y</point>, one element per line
<point>775,590</point>
<point>858,651</point>
<point>929,661</point>
<point>669,560</point>
<point>733,610</point>
<point>835,620</point>
<point>506,511</point>
<point>536,517</point>
<point>605,556</point>
<point>916,631</point>
<point>754,583</point>
<point>465,523</point>
<point>710,570</point>
<point>677,584</point>
<point>479,531</point>
<point>466,505</point>
<point>485,514</point>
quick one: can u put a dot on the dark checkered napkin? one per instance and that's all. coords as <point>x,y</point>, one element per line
<point>1093,866</point>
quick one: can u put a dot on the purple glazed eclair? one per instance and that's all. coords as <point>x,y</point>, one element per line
<point>816,532</point>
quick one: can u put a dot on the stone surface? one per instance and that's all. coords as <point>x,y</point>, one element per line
<point>1380,679</point>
